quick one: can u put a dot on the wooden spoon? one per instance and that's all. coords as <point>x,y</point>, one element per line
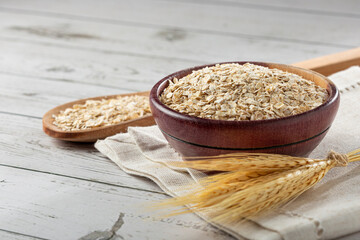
<point>91,135</point>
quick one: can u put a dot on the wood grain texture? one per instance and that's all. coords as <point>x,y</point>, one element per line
<point>34,96</point>
<point>354,236</point>
<point>91,135</point>
<point>8,235</point>
<point>76,65</point>
<point>85,209</point>
<point>295,135</point>
<point>346,8</point>
<point>216,19</point>
<point>155,42</point>
<point>24,145</point>
<point>333,63</point>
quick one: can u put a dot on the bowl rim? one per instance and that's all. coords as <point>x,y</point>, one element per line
<point>154,96</point>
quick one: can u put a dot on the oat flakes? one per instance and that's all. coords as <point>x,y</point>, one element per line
<point>99,113</point>
<point>242,92</point>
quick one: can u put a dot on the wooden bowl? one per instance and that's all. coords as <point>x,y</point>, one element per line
<point>295,135</point>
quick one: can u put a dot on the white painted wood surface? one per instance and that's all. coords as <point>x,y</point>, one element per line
<point>85,207</point>
<point>52,52</point>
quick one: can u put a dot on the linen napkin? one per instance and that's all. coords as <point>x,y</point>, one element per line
<point>329,210</point>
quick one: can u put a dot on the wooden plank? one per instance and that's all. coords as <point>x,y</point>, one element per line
<point>98,68</point>
<point>161,42</point>
<point>24,145</point>
<point>354,236</point>
<point>333,63</point>
<point>219,19</point>
<point>16,236</point>
<point>65,208</point>
<point>34,97</point>
<point>347,8</point>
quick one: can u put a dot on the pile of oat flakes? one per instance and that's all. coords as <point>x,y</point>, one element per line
<point>242,92</point>
<point>99,113</point>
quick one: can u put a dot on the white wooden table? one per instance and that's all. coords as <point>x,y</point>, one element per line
<point>52,52</point>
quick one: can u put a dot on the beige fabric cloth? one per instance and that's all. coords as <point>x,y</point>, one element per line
<point>329,210</point>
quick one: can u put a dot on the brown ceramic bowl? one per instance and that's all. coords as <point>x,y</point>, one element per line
<point>295,135</point>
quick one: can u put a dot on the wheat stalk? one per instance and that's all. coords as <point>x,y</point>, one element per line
<point>251,183</point>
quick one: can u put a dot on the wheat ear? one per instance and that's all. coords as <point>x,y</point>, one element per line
<point>252,183</point>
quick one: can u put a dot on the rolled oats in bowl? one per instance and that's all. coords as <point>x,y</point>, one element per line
<point>242,92</point>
